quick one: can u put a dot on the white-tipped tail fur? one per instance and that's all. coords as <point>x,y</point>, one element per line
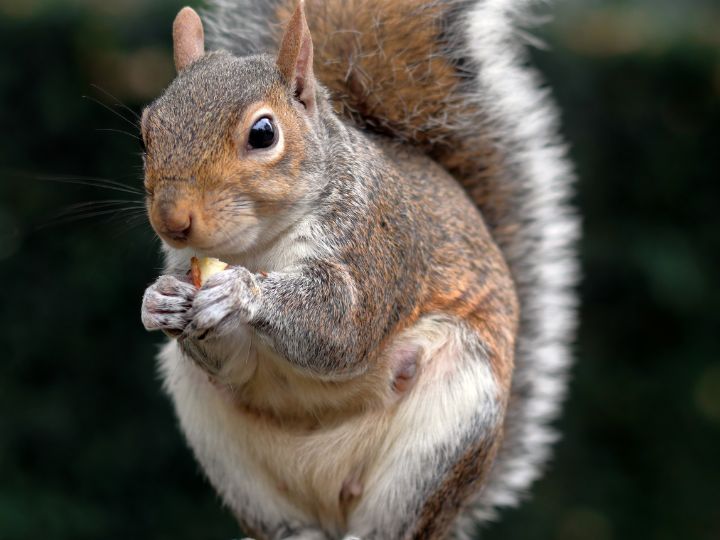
<point>541,256</point>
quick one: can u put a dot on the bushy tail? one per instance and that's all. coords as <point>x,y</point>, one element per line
<point>449,76</point>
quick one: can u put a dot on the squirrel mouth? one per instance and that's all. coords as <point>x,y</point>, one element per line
<point>226,245</point>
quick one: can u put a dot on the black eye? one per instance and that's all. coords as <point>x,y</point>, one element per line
<point>262,134</point>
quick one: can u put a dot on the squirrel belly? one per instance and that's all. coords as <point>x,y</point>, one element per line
<point>293,472</point>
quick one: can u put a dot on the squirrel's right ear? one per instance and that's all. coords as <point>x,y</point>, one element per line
<point>295,58</point>
<point>188,38</point>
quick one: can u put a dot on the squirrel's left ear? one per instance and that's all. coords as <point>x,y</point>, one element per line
<point>188,38</point>
<point>295,59</point>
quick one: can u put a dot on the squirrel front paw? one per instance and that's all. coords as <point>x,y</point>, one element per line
<point>227,300</point>
<point>166,305</point>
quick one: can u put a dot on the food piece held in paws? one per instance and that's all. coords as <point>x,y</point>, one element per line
<point>202,269</point>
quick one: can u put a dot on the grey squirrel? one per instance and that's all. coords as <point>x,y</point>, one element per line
<point>384,353</point>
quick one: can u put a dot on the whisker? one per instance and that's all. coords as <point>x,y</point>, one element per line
<point>72,218</point>
<point>81,210</point>
<point>135,216</point>
<point>117,101</point>
<point>113,111</point>
<point>114,181</point>
<point>130,224</point>
<point>120,131</point>
<point>105,183</point>
<point>91,207</point>
<point>96,205</point>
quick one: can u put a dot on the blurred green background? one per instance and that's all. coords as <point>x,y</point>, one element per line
<point>88,443</point>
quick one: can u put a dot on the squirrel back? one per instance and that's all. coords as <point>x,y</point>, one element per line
<point>448,77</point>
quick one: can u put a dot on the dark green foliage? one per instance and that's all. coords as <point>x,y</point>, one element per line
<point>88,443</point>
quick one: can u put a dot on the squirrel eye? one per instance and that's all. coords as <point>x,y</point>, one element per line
<point>262,134</point>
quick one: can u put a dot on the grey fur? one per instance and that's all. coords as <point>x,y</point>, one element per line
<point>226,300</point>
<point>520,116</point>
<point>542,255</point>
<point>166,304</point>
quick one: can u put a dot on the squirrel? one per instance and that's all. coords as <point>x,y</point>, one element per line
<point>385,353</point>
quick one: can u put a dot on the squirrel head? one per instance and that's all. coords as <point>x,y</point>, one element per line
<point>233,147</point>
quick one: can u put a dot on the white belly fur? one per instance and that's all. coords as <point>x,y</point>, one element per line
<point>270,475</point>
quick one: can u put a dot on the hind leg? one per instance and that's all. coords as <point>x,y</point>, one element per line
<point>425,507</point>
<point>440,447</point>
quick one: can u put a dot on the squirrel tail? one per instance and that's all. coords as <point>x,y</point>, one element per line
<point>449,77</point>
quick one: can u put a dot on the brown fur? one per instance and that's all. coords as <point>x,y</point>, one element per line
<point>374,75</point>
<point>366,54</point>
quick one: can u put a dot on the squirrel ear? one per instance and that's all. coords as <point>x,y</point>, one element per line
<point>295,59</point>
<point>188,38</point>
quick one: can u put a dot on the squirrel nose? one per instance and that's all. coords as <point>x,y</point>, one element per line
<point>177,223</point>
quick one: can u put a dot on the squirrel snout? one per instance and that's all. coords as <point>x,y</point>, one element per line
<point>175,222</point>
